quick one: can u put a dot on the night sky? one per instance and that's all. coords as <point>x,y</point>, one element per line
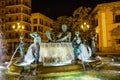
<point>56,8</point>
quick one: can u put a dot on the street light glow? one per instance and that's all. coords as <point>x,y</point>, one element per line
<point>85,26</point>
<point>13,26</point>
<point>22,27</point>
<point>84,23</point>
<point>88,26</point>
<point>81,26</point>
<point>18,23</point>
<point>18,26</point>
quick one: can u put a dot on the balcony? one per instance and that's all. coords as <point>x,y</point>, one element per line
<point>16,11</point>
<point>18,3</point>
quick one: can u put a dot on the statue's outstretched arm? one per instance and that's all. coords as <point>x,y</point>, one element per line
<point>65,37</point>
<point>59,35</point>
<point>48,34</point>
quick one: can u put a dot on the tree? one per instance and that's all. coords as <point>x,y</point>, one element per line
<point>57,24</point>
<point>74,22</point>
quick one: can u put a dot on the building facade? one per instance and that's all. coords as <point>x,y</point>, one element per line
<point>2,14</point>
<point>41,23</point>
<point>16,21</point>
<point>107,17</point>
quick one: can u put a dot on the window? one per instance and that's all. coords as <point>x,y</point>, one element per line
<point>51,25</point>
<point>2,4</point>
<point>46,24</point>
<point>35,21</point>
<point>2,19</point>
<point>16,35</point>
<point>17,10</point>
<point>40,28</point>
<point>118,41</point>
<point>35,28</point>
<point>16,1</point>
<point>16,18</point>
<point>10,19</point>
<point>41,21</point>
<point>117,19</point>
<point>2,11</point>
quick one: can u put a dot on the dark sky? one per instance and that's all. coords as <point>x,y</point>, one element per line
<point>56,8</point>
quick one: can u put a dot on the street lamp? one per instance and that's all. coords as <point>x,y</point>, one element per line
<point>85,29</point>
<point>85,26</point>
<point>18,27</point>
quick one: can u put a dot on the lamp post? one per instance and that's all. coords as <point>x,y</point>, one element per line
<point>85,27</point>
<point>18,27</point>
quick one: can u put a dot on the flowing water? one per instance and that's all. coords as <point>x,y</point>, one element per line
<point>110,71</point>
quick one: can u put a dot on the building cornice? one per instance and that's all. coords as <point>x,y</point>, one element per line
<point>106,5</point>
<point>40,14</point>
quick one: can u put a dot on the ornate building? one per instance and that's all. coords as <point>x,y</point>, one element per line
<point>41,23</point>
<point>107,17</point>
<point>16,19</point>
<point>2,14</point>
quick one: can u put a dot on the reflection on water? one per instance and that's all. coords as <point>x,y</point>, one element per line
<point>86,75</point>
<point>90,75</point>
<point>109,71</point>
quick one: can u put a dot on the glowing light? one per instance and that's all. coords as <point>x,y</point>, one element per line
<point>13,26</point>
<point>19,26</point>
<point>88,26</point>
<point>18,23</point>
<point>84,23</point>
<point>81,26</point>
<point>85,26</point>
<point>22,27</point>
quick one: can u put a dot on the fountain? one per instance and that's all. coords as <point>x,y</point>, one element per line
<point>55,59</point>
<point>58,52</point>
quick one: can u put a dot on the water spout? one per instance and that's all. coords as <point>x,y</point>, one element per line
<point>12,57</point>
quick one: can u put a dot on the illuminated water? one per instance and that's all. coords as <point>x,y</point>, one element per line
<point>87,75</point>
<point>111,71</point>
<point>51,54</point>
<point>106,73</point>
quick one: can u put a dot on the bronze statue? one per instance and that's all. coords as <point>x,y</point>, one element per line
<point>64,36</point>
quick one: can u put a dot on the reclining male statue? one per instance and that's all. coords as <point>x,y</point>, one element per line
<point>64,36</point>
